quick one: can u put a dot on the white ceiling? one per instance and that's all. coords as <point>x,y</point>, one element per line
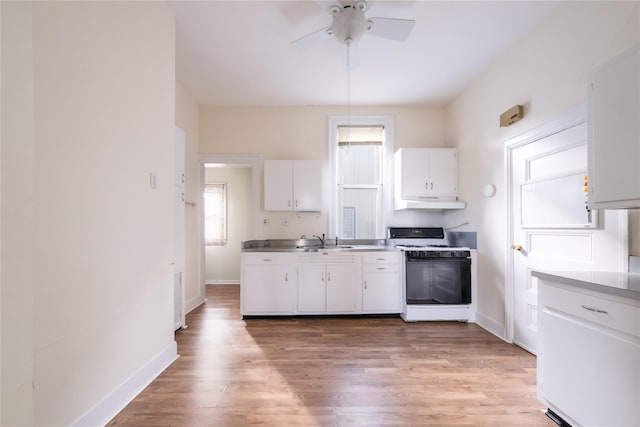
<point>239,52</point>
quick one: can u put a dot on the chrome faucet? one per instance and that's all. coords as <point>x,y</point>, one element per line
<point>321,239</point>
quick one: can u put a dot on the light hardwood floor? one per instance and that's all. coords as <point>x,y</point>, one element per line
<point>336,372</point>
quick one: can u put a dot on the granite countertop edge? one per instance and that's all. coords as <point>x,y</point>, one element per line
<point>354,248</point>
<point>621,284</point>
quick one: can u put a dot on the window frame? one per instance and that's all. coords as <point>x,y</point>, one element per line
<point>223,214</point>
<point>334,205</point>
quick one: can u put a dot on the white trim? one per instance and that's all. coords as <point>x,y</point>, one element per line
<point>122,395</point>
<point>568,119</point>
<point>387,120</point>
<point>492,326</point>
<point>223,282</point>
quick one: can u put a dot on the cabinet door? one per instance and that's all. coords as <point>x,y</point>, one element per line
<point>267,289</point>
<point>311,288</point>
<point>414,175</point>
<point>307,185</point>
<point>589,374</point>
<point>278,187</point>
<point>382,291</point>
<point>341,288</point>
<point>614,134</point>
<point>443,172</point>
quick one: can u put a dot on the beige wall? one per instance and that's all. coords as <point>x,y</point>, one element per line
<point>17,198</point>
<point>222,263</point>
<point>547,73</point>
<point>96,282</point>
<point>187,120</point>
<point>299,133</point>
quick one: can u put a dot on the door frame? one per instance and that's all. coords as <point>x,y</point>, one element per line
<point>570,118</point>
<point>254,162</point>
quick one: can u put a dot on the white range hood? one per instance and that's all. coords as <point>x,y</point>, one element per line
<point>429,204</point>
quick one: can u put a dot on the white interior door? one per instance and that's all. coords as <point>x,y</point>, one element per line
<point>552,229</point>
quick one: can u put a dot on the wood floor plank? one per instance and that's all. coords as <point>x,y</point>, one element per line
<point>336,372</point>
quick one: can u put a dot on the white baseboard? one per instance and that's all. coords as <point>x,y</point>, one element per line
<point>496,328</point>
<point>194,303</point>
<point>222,282</point>
<point>115,401</point>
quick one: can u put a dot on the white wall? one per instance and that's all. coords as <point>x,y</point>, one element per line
<point>97,246</point>
<point>300,133</point>
<point>223,262</point>
<point>547,73</point>
<point>187,120</point>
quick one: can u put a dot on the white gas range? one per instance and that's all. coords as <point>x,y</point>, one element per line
<point>439,278</point>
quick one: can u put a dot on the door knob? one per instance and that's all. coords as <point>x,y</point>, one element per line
<point>516,247</point>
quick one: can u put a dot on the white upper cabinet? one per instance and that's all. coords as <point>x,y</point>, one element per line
<point>614,133</point>
<point>307,185</point>
<point>292,185</point>
<point>426,174</point>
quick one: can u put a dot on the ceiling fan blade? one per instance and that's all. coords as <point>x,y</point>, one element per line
<point>392,28</point>
<point>310,39</point>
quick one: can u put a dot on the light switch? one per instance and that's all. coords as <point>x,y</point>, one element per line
<point>153,180</point>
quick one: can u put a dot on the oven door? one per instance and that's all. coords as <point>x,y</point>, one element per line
<point>438,281</point>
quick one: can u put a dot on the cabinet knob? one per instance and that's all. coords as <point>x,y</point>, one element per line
<point>516,247</point>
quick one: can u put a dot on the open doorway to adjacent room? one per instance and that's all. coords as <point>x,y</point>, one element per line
<point>230,214</point>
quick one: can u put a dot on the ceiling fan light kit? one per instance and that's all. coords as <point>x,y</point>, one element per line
<point>350,23</point>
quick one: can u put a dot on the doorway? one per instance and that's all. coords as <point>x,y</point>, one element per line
<point>251,164</point>
<point>549,225</point>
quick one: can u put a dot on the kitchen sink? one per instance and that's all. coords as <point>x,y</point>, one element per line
<point>323,248</point>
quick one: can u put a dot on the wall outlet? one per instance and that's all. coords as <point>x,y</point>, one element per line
<point>153,180</point>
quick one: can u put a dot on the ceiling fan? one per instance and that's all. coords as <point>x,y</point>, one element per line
<point>350,23</point>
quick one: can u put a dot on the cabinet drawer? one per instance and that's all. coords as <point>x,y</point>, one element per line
<point>621,317</point>
<point>267,258</point>
<point>381,258</point>
<point>380,268</point>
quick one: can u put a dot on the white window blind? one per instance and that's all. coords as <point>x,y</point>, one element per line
<point>215,214</point>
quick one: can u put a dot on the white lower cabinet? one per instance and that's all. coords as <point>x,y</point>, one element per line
<point>285,284</point>
<point>589,356</point>
<point>381,283</point>
<point>268,284</point>
<point>326,284</point>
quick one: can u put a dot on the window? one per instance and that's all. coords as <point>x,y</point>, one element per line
<point>215,214</point>
<point>360,149</point>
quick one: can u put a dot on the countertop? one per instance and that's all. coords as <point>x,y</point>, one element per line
<point>622,284</point>
<point>329,249</point>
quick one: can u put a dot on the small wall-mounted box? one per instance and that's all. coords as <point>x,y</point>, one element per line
<point>511,116</point>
